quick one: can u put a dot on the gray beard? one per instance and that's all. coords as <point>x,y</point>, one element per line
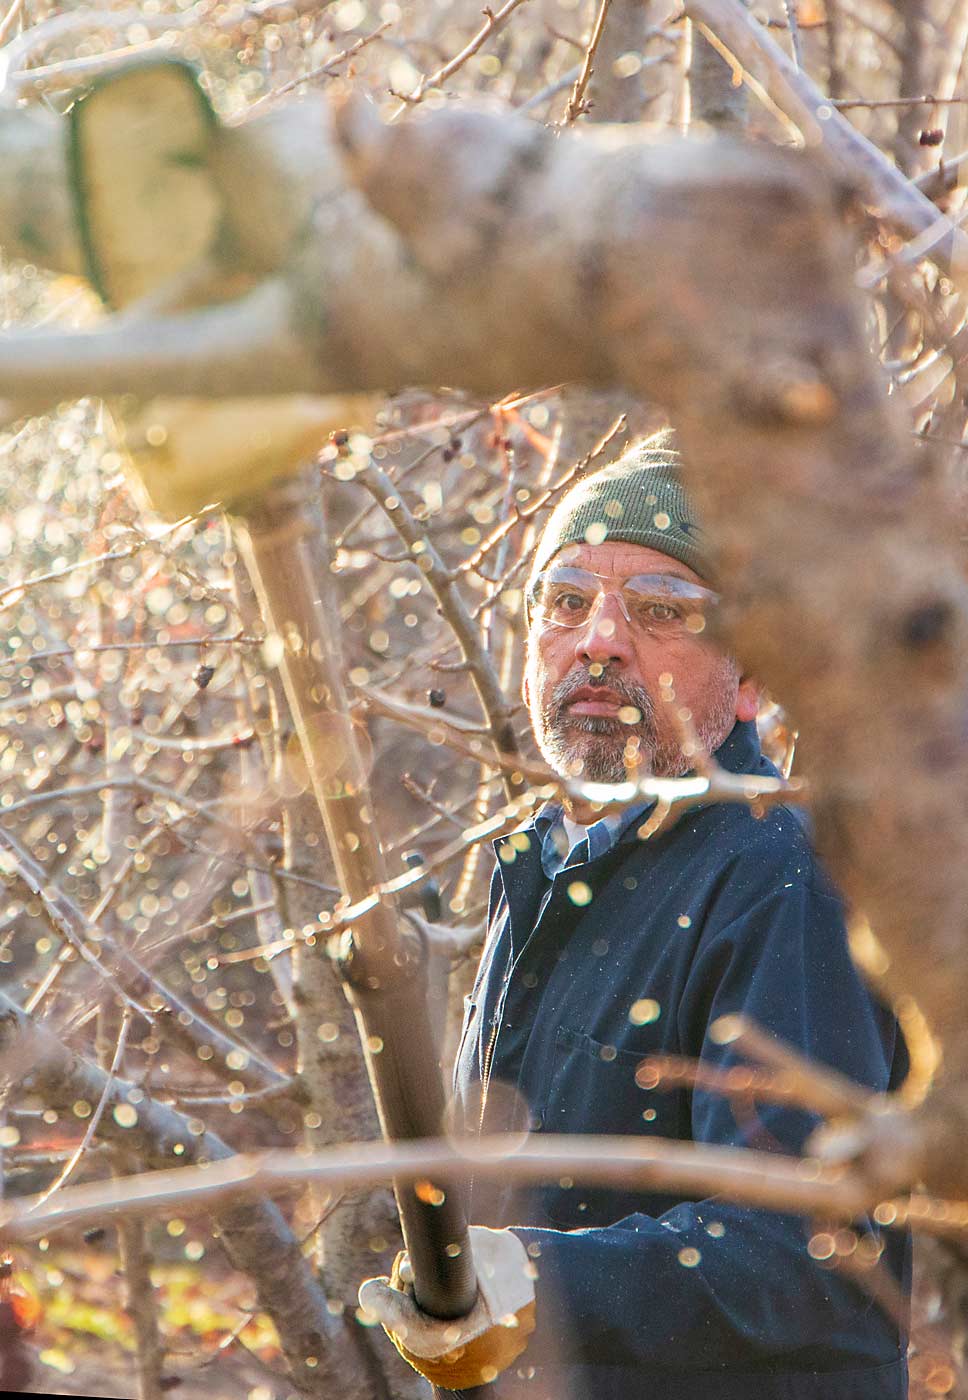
<point>598,743</point>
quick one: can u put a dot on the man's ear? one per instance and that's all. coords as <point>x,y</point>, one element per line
<point>747,699</point>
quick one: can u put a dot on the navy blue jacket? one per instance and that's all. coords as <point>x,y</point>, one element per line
<point>723,913</point>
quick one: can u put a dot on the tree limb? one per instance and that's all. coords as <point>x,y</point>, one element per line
<point>856,158</point>
<point>767,1180</point>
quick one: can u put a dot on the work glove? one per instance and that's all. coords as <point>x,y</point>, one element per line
<point>457,1353</point>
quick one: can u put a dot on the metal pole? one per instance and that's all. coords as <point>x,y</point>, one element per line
<point>383,968</point>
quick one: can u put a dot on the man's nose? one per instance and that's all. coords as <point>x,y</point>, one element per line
<point>606,636</point>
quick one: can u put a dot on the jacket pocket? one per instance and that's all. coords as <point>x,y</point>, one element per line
<point>592,1089</point>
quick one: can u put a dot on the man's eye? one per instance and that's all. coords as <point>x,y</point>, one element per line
<point>657,612</point>
<point>569,603</point>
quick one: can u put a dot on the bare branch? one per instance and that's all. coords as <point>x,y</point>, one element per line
<point>534,507</point>
<point>766,1180</point>
<point>440,579</point>
<point>10,19</point>
<point>846,103</point>
<point>493,21</point>
<point>94,1121</point>
<point>854,156</point>
<point>329,69</point>
<point>576,103</point>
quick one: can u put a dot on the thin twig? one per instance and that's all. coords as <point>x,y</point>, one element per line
<point>95,1119</point>
<point>131,979</point>
<point>715,785</point>
<point>170,795</point>
<point>734,1081</point>
<point>493,21</point>
<point>793,21</point>
<point>329,69</point>
<point>921,246</point>
<point>672,797</point>
<point>942,178</point>
<point>552,90</point>
<point>455,424</point>
<point>483,676</point>
<point>820,1088</point>
<point>15,76</point>
<point>253,1232</point>
<point>843,103</point>
<point>73,70</point>
<point>523,513</point>
<point>577,105</point>
<point>15,591</point>
<point>149,644</point>
<point>745,43</point>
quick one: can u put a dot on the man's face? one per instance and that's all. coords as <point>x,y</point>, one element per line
<point>579,678</point>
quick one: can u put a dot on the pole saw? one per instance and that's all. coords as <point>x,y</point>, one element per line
<point>144,149</point>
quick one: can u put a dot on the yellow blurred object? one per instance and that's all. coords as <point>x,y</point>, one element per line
<point>147,204</point>
<point>463,1352</point>
<point>189,453</point>
<point>478,1362</point>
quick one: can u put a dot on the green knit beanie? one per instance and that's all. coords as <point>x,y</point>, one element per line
<point>639,498</point>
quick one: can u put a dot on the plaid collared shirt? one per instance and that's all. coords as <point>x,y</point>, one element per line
<point>600,837</point>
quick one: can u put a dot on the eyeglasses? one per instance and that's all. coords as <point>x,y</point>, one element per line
<point>662,604</point>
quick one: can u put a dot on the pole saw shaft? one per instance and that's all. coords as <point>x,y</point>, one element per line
<point>383,969</point>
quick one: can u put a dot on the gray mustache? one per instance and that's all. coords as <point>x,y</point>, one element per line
<point>632,694</point>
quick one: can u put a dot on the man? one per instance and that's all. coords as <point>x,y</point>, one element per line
<point>604,948</point>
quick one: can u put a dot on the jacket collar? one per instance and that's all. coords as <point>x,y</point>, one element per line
<point>740,750</point>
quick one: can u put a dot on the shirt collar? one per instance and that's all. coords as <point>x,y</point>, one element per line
<point>600,836</point>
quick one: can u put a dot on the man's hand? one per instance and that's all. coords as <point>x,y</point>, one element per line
<point>464,1351</point>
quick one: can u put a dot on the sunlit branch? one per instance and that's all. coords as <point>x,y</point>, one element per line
<point>779,1073</point>
<point>449,942</point>
<point>94,1121</point>
<point>329,69</point>
<point>441,581</point>
<point>672,796</point>
<point>817,1086</point>
<point>943,177</point>
<point>14,10</point>
<point>715,785</point>
<point>149,644</point>
<point>454,423</point>
<point>884,186</point>
<point>764,1180</point>
<point>174,27</point>
<point>493,22</point>
<point>178,803</point>
<point>519,514</point>
<point>576,102</point>
<point>14,592</point>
